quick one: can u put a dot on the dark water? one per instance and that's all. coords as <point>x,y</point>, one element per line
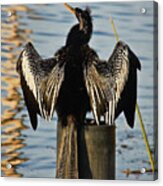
<point>33,153</point>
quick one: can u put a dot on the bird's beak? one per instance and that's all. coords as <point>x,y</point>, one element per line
<point>72,10</point>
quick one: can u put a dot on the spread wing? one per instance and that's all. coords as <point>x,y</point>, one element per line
<point>40,81</point>
<point>112,85</point>
<point>122,66</point>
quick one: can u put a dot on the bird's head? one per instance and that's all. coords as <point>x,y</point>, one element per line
<point>83,30</point>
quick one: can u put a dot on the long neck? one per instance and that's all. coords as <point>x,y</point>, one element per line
<point>85,25</point>
<point>80,34</point>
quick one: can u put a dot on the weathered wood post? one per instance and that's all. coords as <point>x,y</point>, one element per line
<point>95,152</point>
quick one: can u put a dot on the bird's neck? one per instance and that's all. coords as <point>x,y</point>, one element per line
<point>86,26</point>
<point>80,34</point>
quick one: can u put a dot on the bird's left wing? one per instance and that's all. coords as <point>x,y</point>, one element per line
<point>36,77</point>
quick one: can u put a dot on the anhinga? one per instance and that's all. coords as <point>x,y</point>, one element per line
<point>76,81</point>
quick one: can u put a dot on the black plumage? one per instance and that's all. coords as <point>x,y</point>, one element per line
<point>76,81</point>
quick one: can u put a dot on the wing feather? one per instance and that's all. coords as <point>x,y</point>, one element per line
<point>112,84</point>
<point>40,81</point>
<point>50,94</point>
<point>98,89</point>
<point>122,67</point>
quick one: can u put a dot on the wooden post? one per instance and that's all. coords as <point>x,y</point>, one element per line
<point>95,152</point>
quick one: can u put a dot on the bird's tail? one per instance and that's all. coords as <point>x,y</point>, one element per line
<point>67,160</point>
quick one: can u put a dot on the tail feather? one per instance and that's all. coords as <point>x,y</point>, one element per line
<point>67,160</point>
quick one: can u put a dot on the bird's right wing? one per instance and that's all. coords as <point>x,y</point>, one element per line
<point>122,66</point>
<point>40,82</point>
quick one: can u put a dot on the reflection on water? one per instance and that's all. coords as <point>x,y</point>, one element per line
<point>12,38</point>
<point>33,154</point>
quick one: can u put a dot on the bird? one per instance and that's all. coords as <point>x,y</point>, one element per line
<point>76,81</point>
